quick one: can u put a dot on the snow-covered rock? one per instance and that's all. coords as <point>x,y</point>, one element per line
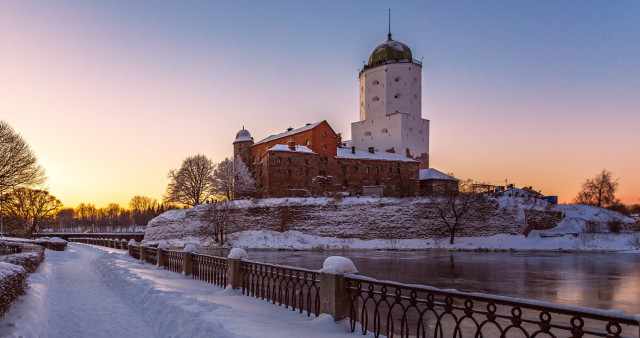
<point>238,253</point>
<point>190,248</point>
<point>338,265</point>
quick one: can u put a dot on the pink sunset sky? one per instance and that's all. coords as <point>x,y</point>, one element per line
<point>113,95</point>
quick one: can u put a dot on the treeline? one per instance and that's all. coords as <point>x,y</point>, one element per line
<point>112,218</point>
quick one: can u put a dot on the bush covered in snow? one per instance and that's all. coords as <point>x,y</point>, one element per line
<point>16,260</point>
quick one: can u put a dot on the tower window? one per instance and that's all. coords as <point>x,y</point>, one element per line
<point>398,95</point>
<point>367,133</point>
<point>375,99</point>
<point>397,79</point>
<point>376,82</point>
<point>384,131</point>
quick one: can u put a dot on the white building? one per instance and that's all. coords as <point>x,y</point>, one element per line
<point>391,104</point>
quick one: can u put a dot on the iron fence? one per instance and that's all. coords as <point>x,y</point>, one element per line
<point>210,269</point>
<point>152,255</point>
<point>135,251</point>
<point>288,286</point>
<point>390,309</point>
<point>173,260</point>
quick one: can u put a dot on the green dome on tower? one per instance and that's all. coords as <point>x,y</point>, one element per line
<point>390,51</point>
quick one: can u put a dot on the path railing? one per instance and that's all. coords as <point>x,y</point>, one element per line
<point>387,308</point>
<point>292,287</point>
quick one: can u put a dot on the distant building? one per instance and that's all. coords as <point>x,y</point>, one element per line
<point>433,181</point>
<point>389,145</point>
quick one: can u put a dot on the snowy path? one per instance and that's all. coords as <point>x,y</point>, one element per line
<point>100,292</point>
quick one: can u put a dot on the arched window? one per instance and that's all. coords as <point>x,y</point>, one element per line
<point>324,148</point>
<point>307,142</point>
<point>375,99</point>
<point>367,133</point>
<point>384,131</point>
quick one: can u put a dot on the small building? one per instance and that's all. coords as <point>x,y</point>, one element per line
<point>433,181</point>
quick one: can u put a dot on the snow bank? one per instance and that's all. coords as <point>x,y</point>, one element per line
<point>190,248</point>
<point>238,253</point>
<point>338,265</point>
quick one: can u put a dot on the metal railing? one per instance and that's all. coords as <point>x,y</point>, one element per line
<point>152,255</point>
<point>288,286</point>
<point>210,269</point>
<point>173,261</point>
<point>394,309</point>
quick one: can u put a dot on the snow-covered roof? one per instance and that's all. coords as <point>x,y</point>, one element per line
<point>243,135</point>
<point>433,174</point>
<point>284,147</point>
<point>345,153</point>
<point>289,133</point>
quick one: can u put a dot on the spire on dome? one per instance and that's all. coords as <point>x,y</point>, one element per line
<point>389,35</point>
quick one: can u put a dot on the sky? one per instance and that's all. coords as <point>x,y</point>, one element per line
<point>112,95</point>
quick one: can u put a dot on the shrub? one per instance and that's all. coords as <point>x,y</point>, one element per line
<point>13,283</point>
<point>615,225</point>
<point>592,227</point>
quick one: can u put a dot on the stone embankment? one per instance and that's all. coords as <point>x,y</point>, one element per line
<point>361,218</point>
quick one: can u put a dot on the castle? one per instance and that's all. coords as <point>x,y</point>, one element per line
<point>387,155</point>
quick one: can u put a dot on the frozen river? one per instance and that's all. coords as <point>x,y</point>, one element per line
<point>597,280</point>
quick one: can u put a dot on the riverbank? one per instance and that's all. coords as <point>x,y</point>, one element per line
<point>536,241</point>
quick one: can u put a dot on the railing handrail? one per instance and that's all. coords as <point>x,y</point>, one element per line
<point>282,266</point>
<point>509,301</point>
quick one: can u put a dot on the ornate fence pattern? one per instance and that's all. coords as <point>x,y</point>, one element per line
<point>135,251</point>
<point>298,288</point>
<point>152,255</point>
<point>210,269</point>
<point>173,261</point>
<point>393,309</point>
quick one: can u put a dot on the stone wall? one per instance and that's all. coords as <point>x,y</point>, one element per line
<point>364,218</point>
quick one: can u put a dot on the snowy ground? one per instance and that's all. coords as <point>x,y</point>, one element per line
<point>101,292</point>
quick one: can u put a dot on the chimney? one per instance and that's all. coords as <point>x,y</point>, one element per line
<point>289,129</point>
<point>292,145</point>
<point>353,150</point>
<point>371,150</point>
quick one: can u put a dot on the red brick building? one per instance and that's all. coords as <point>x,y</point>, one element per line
<point>313,161</point>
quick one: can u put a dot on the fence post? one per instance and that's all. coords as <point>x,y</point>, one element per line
<point>143,253</point>
<point>334,292</point>
<point>187,263</point>
<point>234,273</point>
<point>131,250</point>
<point>160,257</point>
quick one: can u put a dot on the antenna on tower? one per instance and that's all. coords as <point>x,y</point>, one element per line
<point>389,35</point>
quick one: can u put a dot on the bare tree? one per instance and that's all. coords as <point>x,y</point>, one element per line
<point>18,165</point>
<point>223,179</point>
<point>599,191</point>
<point>192,183</point>
<point>217,216</point>
<point>456,208</point>
<point>32,206</point>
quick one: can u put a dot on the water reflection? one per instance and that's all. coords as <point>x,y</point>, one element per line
<point>598,280</point>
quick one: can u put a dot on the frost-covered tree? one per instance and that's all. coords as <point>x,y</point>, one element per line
<point>192,184</point>
<point>243,183</point>
<point>455,208</point>
<point>599,191</point>
<point>217,216</point>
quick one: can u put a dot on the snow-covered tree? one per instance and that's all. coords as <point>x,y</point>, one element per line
<point>243,183</point>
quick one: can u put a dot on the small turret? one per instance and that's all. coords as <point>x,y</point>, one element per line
<point>242,146</point>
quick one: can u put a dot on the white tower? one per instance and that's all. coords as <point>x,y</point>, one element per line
<point>390,104</point>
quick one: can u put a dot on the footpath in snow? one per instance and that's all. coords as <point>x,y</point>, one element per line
<point>100,292</point>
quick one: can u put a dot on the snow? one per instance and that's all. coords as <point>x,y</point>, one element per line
<point>289,133</point>
<point>433,174</point>
<point>163,245</point>
<point>345,153</point>
<point>338,265</point>
<point>284,147</point>
<point>101,292</point>
<point>238,253</point>
<point>132,242</point>
<point>190,248</point>
<point>57,240</point>
<point>9,269</point>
